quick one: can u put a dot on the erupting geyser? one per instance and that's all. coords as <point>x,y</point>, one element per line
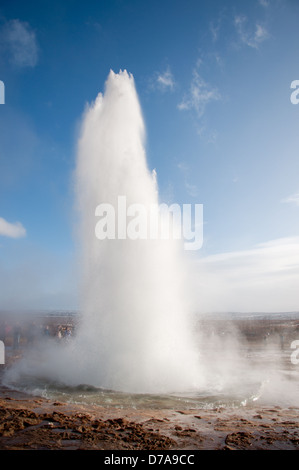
<point>135,333</point>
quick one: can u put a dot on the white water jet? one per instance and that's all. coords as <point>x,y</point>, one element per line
<point>135,333</point>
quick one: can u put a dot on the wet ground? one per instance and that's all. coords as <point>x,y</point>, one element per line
<point>35,423</point>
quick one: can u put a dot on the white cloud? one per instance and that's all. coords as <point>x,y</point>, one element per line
<point>264,278</point>
<point>293,199</point>
<point>251,36</point>
<point>163,81</point>
<point>166,80</point>
<point>19,40</point>
<point>199,96</point>
<point>15,230</point>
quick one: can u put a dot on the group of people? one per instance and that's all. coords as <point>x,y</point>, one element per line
<point>59,332</point>
<point>17,334</point>
<point>11,333</point>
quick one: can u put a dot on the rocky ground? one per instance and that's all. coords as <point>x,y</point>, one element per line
<point>35,423</point>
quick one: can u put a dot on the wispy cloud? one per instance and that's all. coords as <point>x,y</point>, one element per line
<point>199,95</point>
<point>166,80</point>
<point>11,230</point>
<point>251,36</point>
<point>263,278</point>
<point>293,199</point>
<point>215,29</point>
<point>163,81</point>
<point>264,3</point>
<point>19,41</point>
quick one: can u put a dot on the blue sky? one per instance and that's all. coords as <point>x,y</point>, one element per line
<point>213,79</point>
